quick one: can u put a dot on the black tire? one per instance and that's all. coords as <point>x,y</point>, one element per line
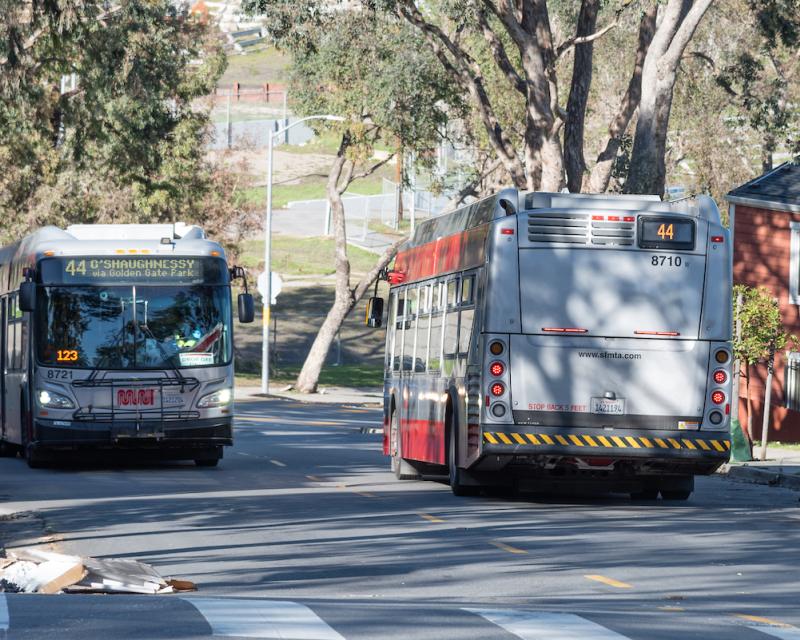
<point>645,495</point>
<point>675,494</point>
<point>213,462</point>
<point>402,469</point>
<point>457,485</point>
<point>33,457</point>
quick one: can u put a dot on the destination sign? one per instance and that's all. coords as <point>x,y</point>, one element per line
<point>661,232</point>
<point>133,270</point>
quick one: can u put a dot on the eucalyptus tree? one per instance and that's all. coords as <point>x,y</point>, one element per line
<point>374,71</point>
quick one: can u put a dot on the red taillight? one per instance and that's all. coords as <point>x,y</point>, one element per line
<point>720,377</point>
<point>629,219</point>
<point>497,369</point>
<point>396,277</point>
<point>497,389</point>
<point>507,231</point>
<point>717,238</point>
<point>718,397</point>
<point>564,330</point>
<point>613,218</point>
<point>598,217</point>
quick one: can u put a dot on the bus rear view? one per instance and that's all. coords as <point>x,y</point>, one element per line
<point>540,339</point>
<point>620,368</point>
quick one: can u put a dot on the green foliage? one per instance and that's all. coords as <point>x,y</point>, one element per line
<point>127,141</point>
<point>762,329</point>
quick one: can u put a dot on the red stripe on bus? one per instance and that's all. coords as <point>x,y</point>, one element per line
<point>456,252</point>
<point>423,440</point>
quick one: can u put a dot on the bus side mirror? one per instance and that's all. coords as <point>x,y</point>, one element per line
<point>374,317</point>
<point>27,296</point>
<point>247,308</point>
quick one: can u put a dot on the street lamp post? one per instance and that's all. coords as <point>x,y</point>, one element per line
<point>267,293</point>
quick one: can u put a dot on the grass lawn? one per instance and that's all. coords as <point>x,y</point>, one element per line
<point>264,64</point>
<point>312,188</point>
<point>293,256</point>
<point>779,445</point>
<point>346,375</point>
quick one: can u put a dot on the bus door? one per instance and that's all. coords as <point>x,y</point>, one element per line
<point>12,368</point>
<point>3,367</point>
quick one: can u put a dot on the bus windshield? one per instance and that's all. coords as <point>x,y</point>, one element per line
<point>133,327</point>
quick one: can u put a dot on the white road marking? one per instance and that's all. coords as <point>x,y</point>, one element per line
<point>786,632</point>
<point>4,619</point>
<point>277,463</point>
<point>274,619</point>
<point>532,625</point>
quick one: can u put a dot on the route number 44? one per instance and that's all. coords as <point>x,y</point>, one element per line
<point>666,231</point>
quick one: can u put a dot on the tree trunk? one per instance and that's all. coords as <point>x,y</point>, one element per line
<point>648,165</point>
<point>767,404</point>
<point>601,172</point>
<point>574,161</point>
<point>767,150</point>
<point>749,409</point>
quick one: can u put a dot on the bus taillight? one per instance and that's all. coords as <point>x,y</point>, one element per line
<point>717,397</point>
<point>722,356</point>
<point>497,369</point>
<point>720,377</point>
<point>496,348</point>
<point>497,389</point>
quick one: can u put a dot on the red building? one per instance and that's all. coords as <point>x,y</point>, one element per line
<point>765,223</point>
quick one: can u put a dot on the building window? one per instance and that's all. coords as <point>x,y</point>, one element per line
<point>794,264</point>
<point>792,382</point>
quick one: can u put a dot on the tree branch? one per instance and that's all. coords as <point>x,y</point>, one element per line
<point>370,277</point>
<point>352,177</point>
<point>571,42</point>
<point>500,55</point>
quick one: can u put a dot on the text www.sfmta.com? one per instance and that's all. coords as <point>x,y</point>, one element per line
<point>609,355</point>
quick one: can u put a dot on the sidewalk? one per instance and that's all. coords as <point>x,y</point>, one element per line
<point>372,396</point>
<point>781,469</point>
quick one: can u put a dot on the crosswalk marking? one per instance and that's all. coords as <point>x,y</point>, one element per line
<point>532,625</point>
<point>272,619</point>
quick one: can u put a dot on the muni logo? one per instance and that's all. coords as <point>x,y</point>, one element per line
<point>136,397</point>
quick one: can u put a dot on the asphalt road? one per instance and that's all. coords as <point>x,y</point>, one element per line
<point>303,533</point>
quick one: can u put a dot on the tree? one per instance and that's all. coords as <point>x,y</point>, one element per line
<point>521,37</point>
<point>763,77</point>
<point>372,70</point>
<point>761,336</point>
<point>124,138</point>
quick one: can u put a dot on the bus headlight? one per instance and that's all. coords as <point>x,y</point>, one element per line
<point>53,400</point>
<point>217,399</point>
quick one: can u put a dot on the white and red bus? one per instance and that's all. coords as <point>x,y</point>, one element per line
<point>538,338</point>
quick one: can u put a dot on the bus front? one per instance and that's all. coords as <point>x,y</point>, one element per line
<point>133,351</point>
<point>611,360</point>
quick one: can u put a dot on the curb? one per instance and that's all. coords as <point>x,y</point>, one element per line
<point>753,475</point>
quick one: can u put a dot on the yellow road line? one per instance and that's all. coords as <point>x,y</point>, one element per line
<point>429,517</point>
<point>762,620</point>
<point>609,581</point>
<point>506,547</point>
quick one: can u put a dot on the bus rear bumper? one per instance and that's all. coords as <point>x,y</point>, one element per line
<point>173,434</point>
<point>704,450</point>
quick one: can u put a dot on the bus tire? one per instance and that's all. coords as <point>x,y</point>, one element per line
<point>33,457</point>
<point>675,494</point>
<point>678,489</point>
<point>402,469</point>
<point>457,485</point>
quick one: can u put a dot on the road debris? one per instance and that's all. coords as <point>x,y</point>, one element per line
<point>39,571</point>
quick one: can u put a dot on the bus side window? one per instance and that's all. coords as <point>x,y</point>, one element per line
<point>423,326</point>
<point>467,290</point>
<point>11,338</point>
<point>435,332</point>
<point>412,298</point>
<point>451,323</point>
<point>391,331</point>
<point>400,333</point>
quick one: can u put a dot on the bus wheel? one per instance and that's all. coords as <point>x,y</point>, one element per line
<point>401,468</point>
<point>456,474</point>
<point>677,488</point>
<point>33,457</point>
<point>648,493</point>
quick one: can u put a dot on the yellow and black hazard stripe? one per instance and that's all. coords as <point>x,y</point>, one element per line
<point>608,442</point>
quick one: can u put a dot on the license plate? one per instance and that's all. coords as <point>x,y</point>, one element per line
<point>608,407</point>
<point>137,399</point>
